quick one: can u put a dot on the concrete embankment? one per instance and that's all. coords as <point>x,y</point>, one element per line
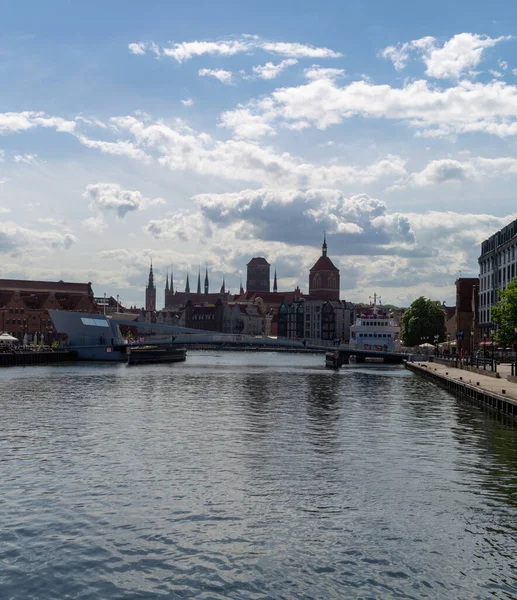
<point>18,359</point>
<point>498,394</point>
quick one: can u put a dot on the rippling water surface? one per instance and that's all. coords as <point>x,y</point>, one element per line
<point>244,475</point>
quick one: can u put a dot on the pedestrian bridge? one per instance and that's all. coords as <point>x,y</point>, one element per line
<point>208,339</point>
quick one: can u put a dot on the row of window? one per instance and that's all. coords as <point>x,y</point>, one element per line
<point>16,310</point>
<point>379,335</point>
<point>501,259</point>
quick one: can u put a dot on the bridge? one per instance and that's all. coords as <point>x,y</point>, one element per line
<point>99,337</point>
<point>336,356</point>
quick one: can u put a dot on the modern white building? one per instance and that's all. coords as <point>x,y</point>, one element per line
<point>497,267</point>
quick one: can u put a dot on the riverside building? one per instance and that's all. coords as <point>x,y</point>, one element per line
<point>497,267</point>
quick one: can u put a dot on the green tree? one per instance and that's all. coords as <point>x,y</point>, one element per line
<point>422,322</point>
<point>504,315</point>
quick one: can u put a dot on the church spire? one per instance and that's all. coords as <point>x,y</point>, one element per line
<point>171,289</point>
<point>206,281</point>
<point>167,282</point>
<point>275,286</point>
<point>150,284</point>
<point>223,287</point>
<point>241,291</point>
<point>324,247</point>
<point>199,281</point>
<point>187,286</point>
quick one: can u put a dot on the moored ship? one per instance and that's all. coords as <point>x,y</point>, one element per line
<point>375,329</point>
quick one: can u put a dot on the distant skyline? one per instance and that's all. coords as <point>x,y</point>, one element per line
<point>208,133</point>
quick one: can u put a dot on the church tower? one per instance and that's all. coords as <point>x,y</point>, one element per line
<point>324,277</point>
<point>275,286</point>
<point>150,292</point>
<point>258,275</point>
<point>199,281</point>
<point>206,282</point>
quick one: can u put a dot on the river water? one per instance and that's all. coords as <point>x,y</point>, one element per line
<point>247,475</point>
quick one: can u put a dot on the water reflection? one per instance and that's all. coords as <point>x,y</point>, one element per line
<point>251,476</point>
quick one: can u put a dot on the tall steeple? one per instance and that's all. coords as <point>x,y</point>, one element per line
<point>150,284</point>
<point>150,291</point>
<point>324,247</point>
<point>275,286</point>
<point>199,281</point>
<point>223,287</point>
<point>241,291</point>
<point>172,282</point>
<point>167,282</point>
<point>206,281</point>
<point>187,286</point>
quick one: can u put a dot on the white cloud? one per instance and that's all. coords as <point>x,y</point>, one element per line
<point>13,122</point>
<point>182,149</point>
<point>28,159</point>
<point>317,72</point>
<point>187,102</point>
<point>118,148</point>
<point>451,170</point>
<point>223,76</point>
<point>184,51</point>
<point>462,53</point>
<point>4,210</point>
<point>111,197</point>
<point>137,48</point>
<point>17,240</point>
<point>467,107</point>
<point>245,124</point>
<point>271,70</point>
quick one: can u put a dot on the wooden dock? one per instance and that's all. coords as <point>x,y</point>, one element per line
<point>497,394</point>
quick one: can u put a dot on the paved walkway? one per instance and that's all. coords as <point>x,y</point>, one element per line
<point>491,384</point>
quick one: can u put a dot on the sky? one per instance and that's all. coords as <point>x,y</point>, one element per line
<point>202,134</point>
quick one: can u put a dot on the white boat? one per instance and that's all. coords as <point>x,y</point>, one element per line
<point>375,329</point>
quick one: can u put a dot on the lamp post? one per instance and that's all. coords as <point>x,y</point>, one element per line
<point>449,343</point>
<point>494,365</point>
<point>484,350</point>
<point>472,346</point>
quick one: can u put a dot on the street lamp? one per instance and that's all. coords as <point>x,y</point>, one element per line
<point>494,364</point>
<point>449,343</point>
<point>471,345</point>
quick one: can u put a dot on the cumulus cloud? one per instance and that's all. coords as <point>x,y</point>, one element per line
<point>137,48</point>
<point>467,107</point>
<point>110,197</point>
<point>459,55</point>
<point>184,51</point>
<point>180,148</point>
<point>271,70</point>
<point>449,170</point>
<point>14,122</point>
<point>223,76</point>
<point>19,240</point>
<point>187,102</point>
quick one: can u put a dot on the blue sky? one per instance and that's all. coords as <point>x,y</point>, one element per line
<point>211,132</point>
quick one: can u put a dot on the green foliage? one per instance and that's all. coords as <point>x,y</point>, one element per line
<point>504,315</point>
<point>422,322</point>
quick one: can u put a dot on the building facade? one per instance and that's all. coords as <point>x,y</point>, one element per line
<point>497,267</point>
<point>24,305</point>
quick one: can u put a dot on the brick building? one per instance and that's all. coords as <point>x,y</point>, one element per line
<point>24,304</point>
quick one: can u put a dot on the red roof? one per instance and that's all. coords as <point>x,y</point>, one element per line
<point>324,264</point>
<point>45,286</point>
<point>258,261</point>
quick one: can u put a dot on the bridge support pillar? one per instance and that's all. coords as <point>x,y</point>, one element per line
<point>359,358</point>
<point>345,358</point>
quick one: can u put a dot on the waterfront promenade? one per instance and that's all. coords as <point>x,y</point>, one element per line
<point>496,393</point>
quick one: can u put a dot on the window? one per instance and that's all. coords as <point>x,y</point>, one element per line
<point>94,322</point>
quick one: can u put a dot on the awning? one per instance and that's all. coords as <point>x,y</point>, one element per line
<point>486,344</point>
